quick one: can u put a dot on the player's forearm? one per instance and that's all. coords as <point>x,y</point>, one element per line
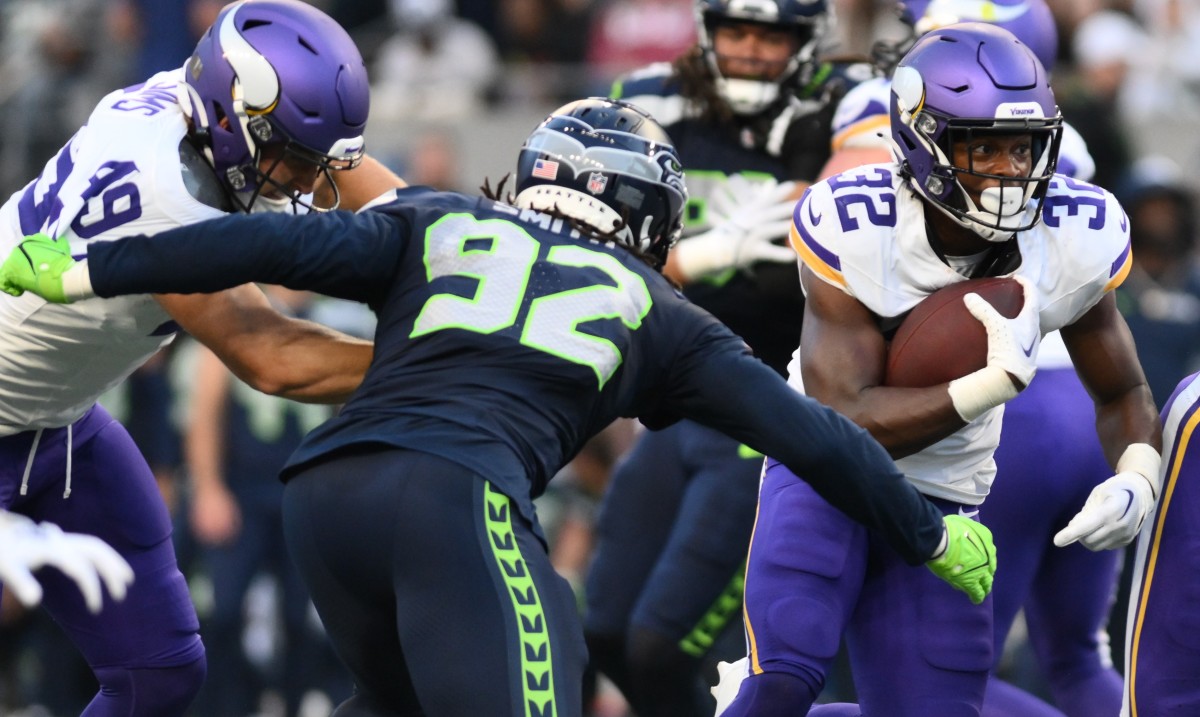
<point>904,420</point>
<point>338,254</point>
<point>840,460</point>
<point>853,472</point>
<point>203,445</point>
<point>301,360</point>
<point>1131,418</point>
<point>201,258</point>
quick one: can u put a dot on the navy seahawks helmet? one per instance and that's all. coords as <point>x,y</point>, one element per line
<point>607,164</point>
<point>276,72</point>
<point>964,81</point>
<point>808,19</point>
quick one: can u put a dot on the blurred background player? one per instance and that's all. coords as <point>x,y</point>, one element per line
<point>1161,297</point>
<point>509,334</point>
<point>1163,644</point>
<point>274,98</point>
<point>1047,449</point>
<point>963,199</point>
<point>749,108</point>
<point>237,439</point>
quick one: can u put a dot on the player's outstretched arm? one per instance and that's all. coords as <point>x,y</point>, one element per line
<point>739,396</point>
<point>276,354</point>
<point>91,563</point>
<point>1127,422</point>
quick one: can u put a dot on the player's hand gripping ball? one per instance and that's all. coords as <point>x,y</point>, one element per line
<point>940,340</point>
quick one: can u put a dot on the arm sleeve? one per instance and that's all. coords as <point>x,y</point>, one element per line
<point>743,398</point>
<point>348,256</point>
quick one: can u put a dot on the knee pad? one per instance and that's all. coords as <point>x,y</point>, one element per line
<point>162,691</point>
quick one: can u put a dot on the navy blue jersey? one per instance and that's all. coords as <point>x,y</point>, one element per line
<point>790,140</point>
<point>505,341</point>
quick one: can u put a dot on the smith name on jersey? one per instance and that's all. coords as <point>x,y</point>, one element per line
<point>864,232</point>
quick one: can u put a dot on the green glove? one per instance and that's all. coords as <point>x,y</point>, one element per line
<point>37,265</point>
<point>969,561</point>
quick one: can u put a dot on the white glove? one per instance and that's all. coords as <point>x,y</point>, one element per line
<point>1115,509</point>
<point>26,546</point>
<point>737,192</point>
<point>1012,343</point>
<point>746,225</point>
<point>1012,351</point>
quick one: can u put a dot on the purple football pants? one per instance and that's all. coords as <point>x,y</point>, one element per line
<point>146,650</point>
<point>1163,632</point>
<point>917,646</point>
<point>1048,461</point>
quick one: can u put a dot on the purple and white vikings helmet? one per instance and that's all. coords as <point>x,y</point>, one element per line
<point>1030,20</point>
<point>808,19</point>
<point>279,72</point>
<point>965,81</point>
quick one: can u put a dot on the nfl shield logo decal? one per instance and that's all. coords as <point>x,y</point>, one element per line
<point>596,182</point>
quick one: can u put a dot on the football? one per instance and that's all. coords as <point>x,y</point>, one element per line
<point>940,340</point>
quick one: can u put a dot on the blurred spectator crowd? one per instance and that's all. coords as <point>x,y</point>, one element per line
<point>449,77</point>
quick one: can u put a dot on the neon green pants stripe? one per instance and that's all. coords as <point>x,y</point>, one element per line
<point>700,640</point>
<point>536,663</point>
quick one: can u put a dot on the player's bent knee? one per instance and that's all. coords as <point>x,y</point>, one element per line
<point>164,691</point>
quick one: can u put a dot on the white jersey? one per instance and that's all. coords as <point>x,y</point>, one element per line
<point>119,175</point>
<point>863,231</point>
<point>863,121</point>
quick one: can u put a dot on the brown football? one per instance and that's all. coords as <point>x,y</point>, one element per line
<point>940,340</point>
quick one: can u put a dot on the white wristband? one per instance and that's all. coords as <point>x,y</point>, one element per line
<point>77,282</point>
<point>1141,458</point>
<point>942,544</point>
<point>704,254</point>
<point>981,391</point>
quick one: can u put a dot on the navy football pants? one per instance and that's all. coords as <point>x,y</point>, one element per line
<point>435,592</point>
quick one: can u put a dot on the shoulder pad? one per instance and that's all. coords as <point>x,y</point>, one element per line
<point>1089,216</point>
<point>854,208</point>
<point>863,115</point>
